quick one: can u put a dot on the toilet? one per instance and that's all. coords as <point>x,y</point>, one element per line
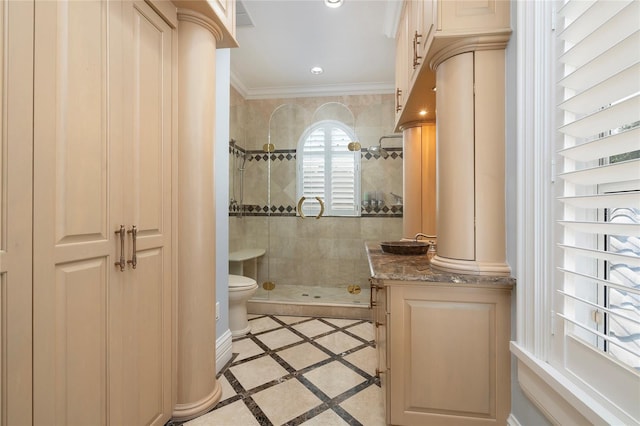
<point>240,291</point>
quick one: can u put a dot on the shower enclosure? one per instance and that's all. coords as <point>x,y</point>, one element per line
<point>313,233</point>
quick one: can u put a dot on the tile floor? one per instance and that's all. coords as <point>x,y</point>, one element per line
<point>300,371</point>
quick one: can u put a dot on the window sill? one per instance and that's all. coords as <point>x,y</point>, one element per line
<point>557,397</point>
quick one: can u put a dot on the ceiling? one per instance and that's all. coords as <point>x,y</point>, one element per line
<point>280,40</point>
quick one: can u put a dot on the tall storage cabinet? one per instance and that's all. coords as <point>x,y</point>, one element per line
<point>102,161</point>
<point>16,150</point>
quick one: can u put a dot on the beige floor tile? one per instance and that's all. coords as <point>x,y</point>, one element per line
<point>313,328</point>
<point>334,378</point>
<point>338,342</point>
<point>236,413</point>
<point>279,338</point>
<point>366,406</point>
<point>365,359</point>
<point>302,356</point>
<point>340,322</point>
<point>227,390</point>
<point>326,418</point>
<point>259,325</point>
<point>285,401</point>
<point>258,371</point>
<point>291,319</point>
<point>364,330</point>
<point>245,348</point>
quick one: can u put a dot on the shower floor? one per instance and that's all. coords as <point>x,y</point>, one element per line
<point>300,294</point>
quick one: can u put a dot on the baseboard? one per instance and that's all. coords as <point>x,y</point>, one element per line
<point>512,421</point>
<point>223,350</point>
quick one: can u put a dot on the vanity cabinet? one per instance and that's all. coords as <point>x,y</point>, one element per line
<point>443,351</point>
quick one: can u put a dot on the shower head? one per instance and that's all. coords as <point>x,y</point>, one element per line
<point>378,150</point>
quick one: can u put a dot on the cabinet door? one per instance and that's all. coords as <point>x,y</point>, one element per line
<point>102,132</point>
<point>16,150</point>
<point>450,355</point>
<point>142,345</point>
<point>402,62</point>
<point>77,208</point>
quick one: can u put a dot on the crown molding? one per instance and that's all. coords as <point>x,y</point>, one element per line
<point>311,91</point>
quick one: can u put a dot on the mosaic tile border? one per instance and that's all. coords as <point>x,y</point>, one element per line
<point>328,403</point>
<point>290,211</point>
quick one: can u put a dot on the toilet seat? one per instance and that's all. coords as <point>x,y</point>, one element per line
<point>238,282</point>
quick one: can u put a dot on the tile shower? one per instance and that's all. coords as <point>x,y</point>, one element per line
<point>310,261</point>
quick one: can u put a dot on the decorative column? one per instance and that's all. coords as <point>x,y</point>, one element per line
<point>197,388</point>
<point>471,160</point>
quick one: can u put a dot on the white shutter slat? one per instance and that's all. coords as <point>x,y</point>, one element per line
<point>611,62</point>
<point>602,37</point>
<point>626,229</point>
<point>606,92</point>
<point>593,14</point>
<point>597,280</point>
<point>612,173</point>
<point>609,118</point>
<point>602,255</point>
<point>618,143</point>
<point>602,201</point>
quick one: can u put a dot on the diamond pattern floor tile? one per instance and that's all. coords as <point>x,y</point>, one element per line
<point>302,356</point>
<point>338,342</point>
<point>286,401</point>
<point>299,371</point>
<point>258,371</point>
<point>334,378</point>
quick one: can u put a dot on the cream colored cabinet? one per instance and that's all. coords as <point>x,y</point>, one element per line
<point>102,214</point>
<point>16,151</point>
<point>431,31</point>
<point>447,353</point>
<point>419,180</point>
<point>402,69</point>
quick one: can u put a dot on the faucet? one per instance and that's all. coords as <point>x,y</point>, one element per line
<point>420,234</point>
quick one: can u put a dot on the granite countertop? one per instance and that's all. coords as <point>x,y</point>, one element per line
<point>384,266</point>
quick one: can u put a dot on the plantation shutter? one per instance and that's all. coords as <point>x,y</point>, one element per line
<point>314,171</point>
<point>330,171</point>
<point>598,186</point>
<point>343,172</point>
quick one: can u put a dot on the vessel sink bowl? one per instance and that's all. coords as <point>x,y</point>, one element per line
<point>404,247</point>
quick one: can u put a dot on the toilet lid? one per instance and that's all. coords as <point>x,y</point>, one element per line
<point>238,281</point>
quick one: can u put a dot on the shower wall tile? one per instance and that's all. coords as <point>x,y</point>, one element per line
<point>328,252</point>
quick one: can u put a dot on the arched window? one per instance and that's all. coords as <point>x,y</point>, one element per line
<point>328,170</point>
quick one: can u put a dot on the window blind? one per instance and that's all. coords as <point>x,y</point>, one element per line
<point>598,186</point>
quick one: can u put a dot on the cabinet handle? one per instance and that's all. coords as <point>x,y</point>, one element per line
<point>121,263</point>
<point>378,373</point>
<point>372,302</point>
<point>416,43</point>
<point>134,256</point>
<point>398,94</point>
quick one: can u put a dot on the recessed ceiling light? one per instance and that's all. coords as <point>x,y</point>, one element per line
<point>317,70</point>
<point>423,112</point>
<point>333,3</point>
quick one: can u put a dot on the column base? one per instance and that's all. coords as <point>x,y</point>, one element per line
<point>472,267</point>
<point>184,412</point>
